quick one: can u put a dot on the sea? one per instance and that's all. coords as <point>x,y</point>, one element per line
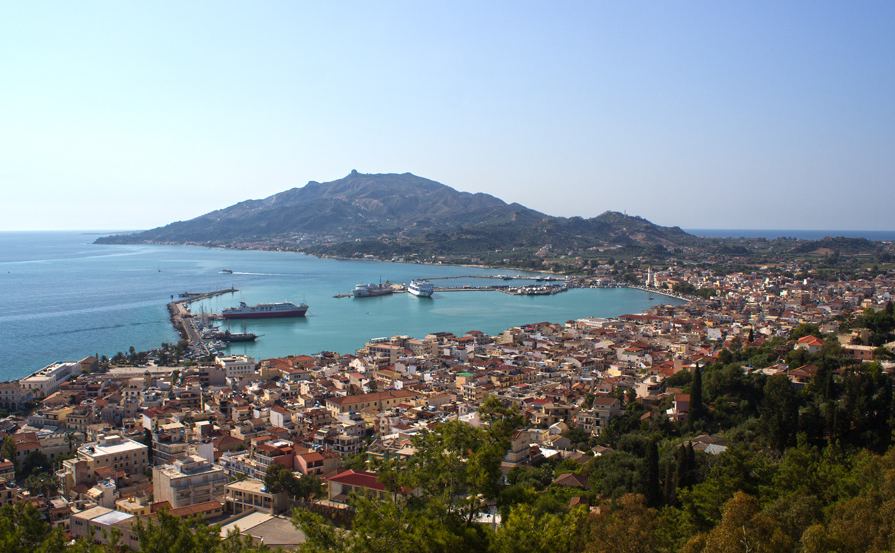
<point>63,298</point>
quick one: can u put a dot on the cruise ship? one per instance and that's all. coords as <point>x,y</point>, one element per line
<point>421,288</point>
<point>371,290</point>
<point>265,311</point>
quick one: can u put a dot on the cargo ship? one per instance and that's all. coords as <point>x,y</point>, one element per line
<point>265,311</point>
<point>421,288</point>
<point>372,290</point>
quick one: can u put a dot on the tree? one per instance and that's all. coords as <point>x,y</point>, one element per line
<point>744,528</point>
<point>780,412</point>
<point>627,527</point>
<point>34,462</point>
<point>697,407</point>
<point>22,530</point>
<point>168,534</point>
<point>44,484</point>
<point>280,479</point>
<point>737,469</point>
<point>524,531</point>
<point>651,484</point>
<point>8,449</point>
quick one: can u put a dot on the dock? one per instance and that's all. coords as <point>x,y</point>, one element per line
<point>184,322</point>
<point>546,278</point>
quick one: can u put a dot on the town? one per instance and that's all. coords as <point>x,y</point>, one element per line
<point>95,445</point>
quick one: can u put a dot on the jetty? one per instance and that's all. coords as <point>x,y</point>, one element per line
<point>666,293</point>
<point>545,278</point>
<point>184,322</point>
<point>189,297</point>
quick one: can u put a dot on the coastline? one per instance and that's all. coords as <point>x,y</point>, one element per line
<point>333,256</point>
<point>110,343</point>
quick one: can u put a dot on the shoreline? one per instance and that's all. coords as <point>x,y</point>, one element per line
<point>179,332</point>
<point>183,333</point>
<point>335,257</point>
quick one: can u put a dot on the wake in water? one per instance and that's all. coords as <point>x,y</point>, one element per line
<point>264,274</point>
<point>92,328</point>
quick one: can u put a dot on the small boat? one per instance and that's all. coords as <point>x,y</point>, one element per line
<point>227,271</point>
<point>228,336</point>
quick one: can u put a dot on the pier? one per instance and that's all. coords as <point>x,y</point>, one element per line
<point>184,322</point>
<point>547,278</point>
<point>660,292</point>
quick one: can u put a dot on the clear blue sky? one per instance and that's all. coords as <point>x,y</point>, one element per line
<point>699,114</point>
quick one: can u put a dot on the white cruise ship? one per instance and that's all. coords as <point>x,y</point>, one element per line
<point>421,288</point>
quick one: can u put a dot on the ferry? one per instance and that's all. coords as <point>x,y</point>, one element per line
<point>421,288</point>
<point>265,311</point>
<point>372,290</point>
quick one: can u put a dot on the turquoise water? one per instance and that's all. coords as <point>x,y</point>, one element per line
<point>62,297</point>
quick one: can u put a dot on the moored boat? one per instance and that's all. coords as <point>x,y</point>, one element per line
<point>371,290</point>
<point>421,288</point>
<point>265,311</point>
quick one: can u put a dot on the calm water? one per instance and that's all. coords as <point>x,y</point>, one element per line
<point>62,297</point>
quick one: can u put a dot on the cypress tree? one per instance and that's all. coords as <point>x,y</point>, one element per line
<point>653,489</point>
<point>697,409</point>
<point>670,483</point>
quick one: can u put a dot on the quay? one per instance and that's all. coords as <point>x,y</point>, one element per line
<point>189,297</point>
<point>501,277</point>
<point>183,320</point>
<point>660,292</point>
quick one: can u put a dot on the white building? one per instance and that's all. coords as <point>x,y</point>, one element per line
<point>188,481</point>
<point>116,452</point>
<point>48,379</point>
<point>236,366</point>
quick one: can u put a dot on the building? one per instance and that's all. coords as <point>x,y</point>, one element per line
<point>811,344</point>
<point>341,486</point>
<point>115,452</point>
<point>251,494</point>
<point>48,379</point>
<point>374,402</point>
<point>96,525</point>
<point>236,366</point>
<point>188,481</point>
<point>273,531</point>
<point>13,396</point>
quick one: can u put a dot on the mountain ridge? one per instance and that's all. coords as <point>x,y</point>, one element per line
<point>403,211</point>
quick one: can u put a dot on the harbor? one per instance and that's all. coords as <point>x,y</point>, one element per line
<point>138,314</point>
<point>546,286</point>
<point>202,337</point>
<point>206,338</point>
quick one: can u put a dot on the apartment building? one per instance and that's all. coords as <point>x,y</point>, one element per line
<point>187,482</point>
<point>115,452</point>
<point>48,379</point>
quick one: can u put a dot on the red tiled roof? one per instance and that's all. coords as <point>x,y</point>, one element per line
<point>361,479</point>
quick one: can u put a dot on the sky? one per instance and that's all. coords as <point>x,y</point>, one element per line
<point>701,114</point>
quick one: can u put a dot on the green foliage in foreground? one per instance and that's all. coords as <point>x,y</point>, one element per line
<point>22,530</point>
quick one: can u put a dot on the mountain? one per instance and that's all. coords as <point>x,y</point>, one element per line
<point>382,214</point>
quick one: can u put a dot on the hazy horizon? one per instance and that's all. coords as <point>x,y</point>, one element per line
<point>759,116</point>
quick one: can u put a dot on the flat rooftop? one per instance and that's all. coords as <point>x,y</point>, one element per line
<point>248,485</point>
<point>268,529</point>
<point>111,445</point>
<point>49,371</point>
